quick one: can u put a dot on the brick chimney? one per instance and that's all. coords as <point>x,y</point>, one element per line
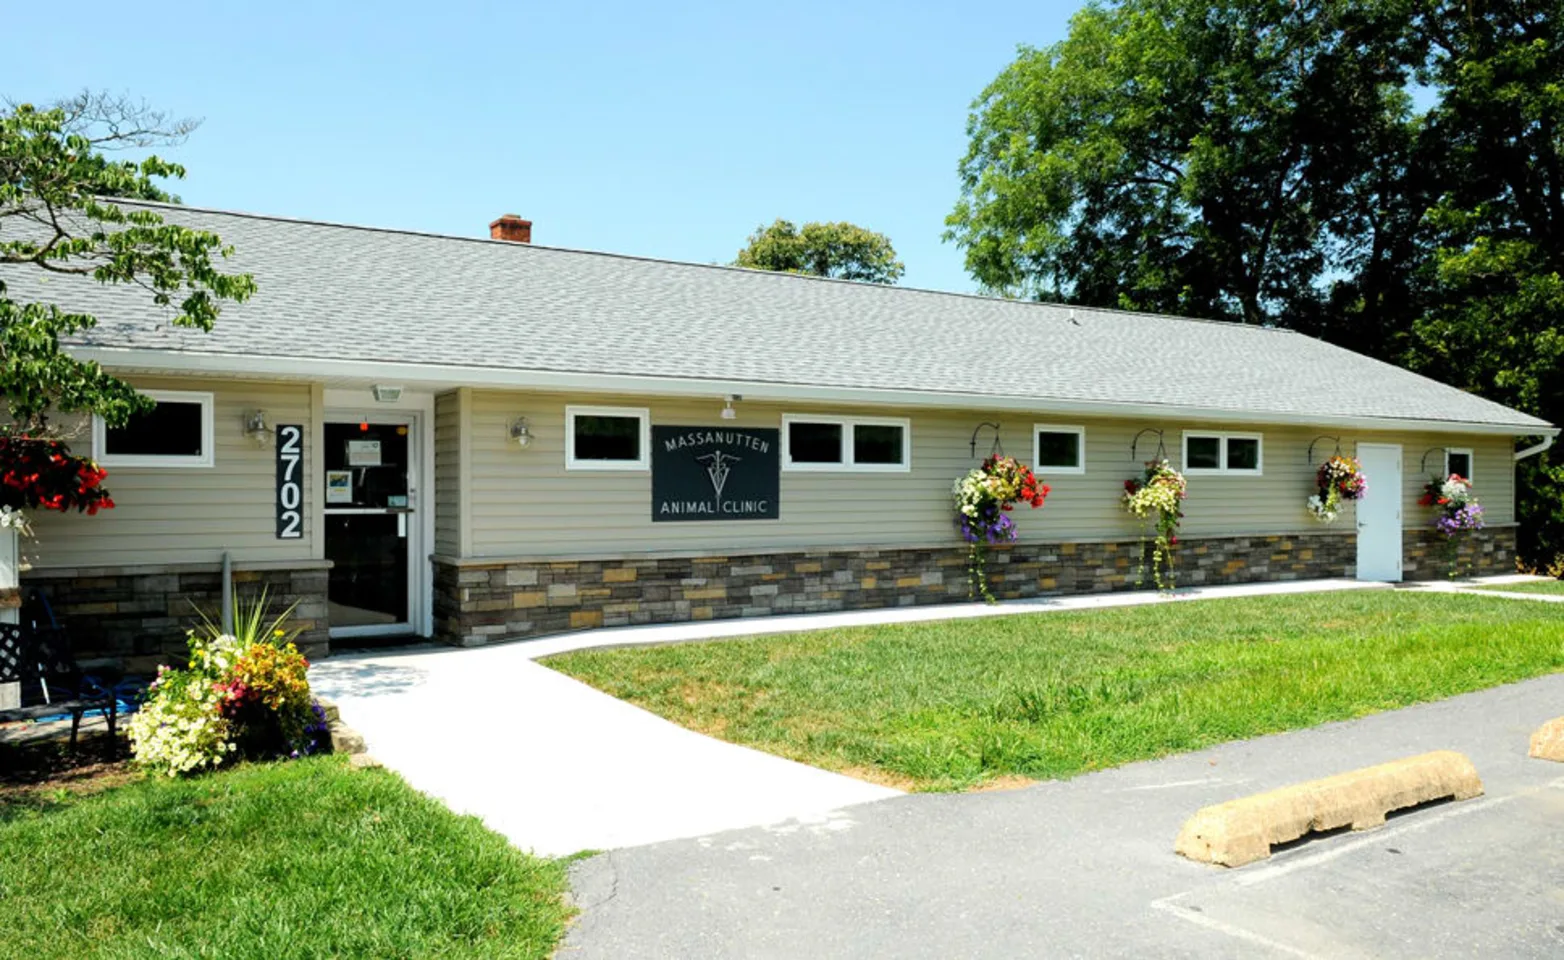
<point>512,228</point>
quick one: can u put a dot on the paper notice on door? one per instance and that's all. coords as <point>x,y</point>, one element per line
<point>363,453</point>
<point>339,486</point>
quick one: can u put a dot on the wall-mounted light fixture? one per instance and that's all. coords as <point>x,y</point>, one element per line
<point>256,429</point>
<point>728,413</point>
<point>520,433</point>
<point>384,393</point>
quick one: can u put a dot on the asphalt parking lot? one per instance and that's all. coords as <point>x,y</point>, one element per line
<point>1085,867</point>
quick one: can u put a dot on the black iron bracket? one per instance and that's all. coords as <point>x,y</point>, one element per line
<point>997,448</point>
<point>1310,455</point>
<point>1162,449</point>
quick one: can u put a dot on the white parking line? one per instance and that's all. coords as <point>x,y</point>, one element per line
<point>1166,905</point>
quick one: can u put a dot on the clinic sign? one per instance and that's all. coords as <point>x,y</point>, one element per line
<point>715,473</point>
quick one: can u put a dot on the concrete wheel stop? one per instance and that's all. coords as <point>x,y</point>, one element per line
<point>1242,831</point>
<point>1547,743</point>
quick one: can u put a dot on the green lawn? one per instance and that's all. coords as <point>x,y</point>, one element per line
<point>1553,587</point>
<point>946,706</point>
<point>299,859</point>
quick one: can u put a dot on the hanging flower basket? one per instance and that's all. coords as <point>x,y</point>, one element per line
<point>1338,479</point>
<point>984,499</point>
<point>45,475</point>
<point>1157,499</point>
<point>1457,514</point>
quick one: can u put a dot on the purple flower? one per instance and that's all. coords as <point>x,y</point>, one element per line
<point>1466,517</point>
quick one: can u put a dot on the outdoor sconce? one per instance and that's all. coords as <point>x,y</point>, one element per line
<point>255,427</point>
<point>520,433</point>
<point>728,413</point>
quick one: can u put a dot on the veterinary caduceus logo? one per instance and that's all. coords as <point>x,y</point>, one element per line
<point>717,469</point>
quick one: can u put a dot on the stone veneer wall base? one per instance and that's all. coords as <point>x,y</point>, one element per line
<point>137,617</point>
<point>478,602</point>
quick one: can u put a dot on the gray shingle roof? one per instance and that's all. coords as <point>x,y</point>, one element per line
<point>350,293</point>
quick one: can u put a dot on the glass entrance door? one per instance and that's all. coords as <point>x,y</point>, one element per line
<point>369,527</point>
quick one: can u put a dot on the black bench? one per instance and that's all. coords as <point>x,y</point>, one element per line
<point>39,659</point>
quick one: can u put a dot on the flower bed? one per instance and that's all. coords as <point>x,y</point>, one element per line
<point>242,695</point>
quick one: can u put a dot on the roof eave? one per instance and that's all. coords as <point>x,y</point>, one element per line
<point>187,363</point>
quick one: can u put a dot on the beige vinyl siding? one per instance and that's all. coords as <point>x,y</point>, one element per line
<point>447,473</point>
<point>193,515</point>
<point>525,503</point>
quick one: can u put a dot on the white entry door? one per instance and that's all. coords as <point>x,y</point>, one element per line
<point>1379,513</point>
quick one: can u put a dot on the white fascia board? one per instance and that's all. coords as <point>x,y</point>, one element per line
<point>438,375</point>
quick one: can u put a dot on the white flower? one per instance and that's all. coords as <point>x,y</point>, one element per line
<point>1322,511</point>
<point>11,519</point>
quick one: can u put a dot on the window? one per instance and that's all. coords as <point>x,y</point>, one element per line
<point>1223,453</point>
<point>1058,449</point>
<point>607,438</point>
<point>175,433</point>
<point>1459,461</point>
<point>866,444</point>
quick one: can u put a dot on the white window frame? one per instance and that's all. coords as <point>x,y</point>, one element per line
<point>848,425</point>
<point>640,413</point>
<point>1225,470</point>
<point>1471,458</point>
<point>1037,448</point>
<point>207,458</point>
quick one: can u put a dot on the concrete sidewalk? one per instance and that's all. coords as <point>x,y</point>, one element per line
<point>556,766</point>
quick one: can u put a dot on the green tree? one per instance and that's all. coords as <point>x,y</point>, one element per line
<point>1223,159</point>
<point>841,250</point>
<point>57,216</point>
<point>1493,320</point>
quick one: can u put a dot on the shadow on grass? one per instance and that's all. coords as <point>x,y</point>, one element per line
<point>40,776</point>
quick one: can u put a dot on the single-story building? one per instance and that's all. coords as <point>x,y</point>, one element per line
<point>481,440</point>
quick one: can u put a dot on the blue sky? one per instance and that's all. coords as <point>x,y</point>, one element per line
<point>667,131</point>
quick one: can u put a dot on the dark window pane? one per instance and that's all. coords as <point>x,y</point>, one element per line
<point>1058,449</point>
<point>814,442</point>
<point>369,462</point>
<point>873,443</point>
<point>171,429</point>
<point>1205,453</point>
<point>1243,453</point>
<point>608,438</point>
<point>1461,464</point>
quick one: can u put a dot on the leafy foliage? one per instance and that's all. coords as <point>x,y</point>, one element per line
<point>56,216</point>
<point>841,250</point>
<point>1207,159</point>
<point>1494,320</point>
<point>1386,174</point>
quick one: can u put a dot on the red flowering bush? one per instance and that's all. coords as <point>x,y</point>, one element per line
<point>44,474</point>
